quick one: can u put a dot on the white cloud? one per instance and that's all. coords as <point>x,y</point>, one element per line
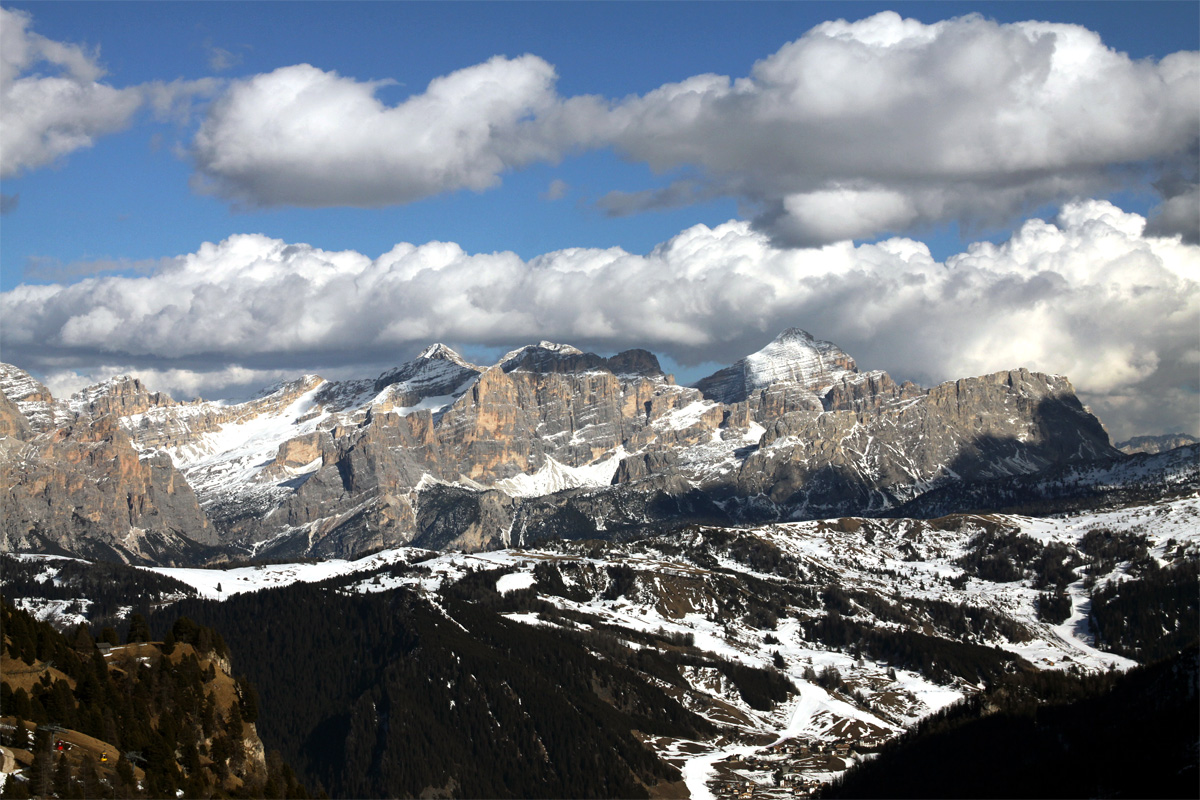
<point>853,130</point>
<point>888,124</point>
<point>176,101</point>
<point>46,117</point>
<point>1089,295</point>
<point>304,136</point>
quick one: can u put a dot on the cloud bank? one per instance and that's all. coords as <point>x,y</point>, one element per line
<point>853,130</point>
<point>1088,295</point>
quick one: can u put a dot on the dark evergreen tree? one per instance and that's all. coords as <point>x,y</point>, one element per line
<point>139,631</point>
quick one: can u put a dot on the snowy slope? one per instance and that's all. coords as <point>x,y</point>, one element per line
<point>682,586</point>
<point>33,399</point>
<point>554,477</point>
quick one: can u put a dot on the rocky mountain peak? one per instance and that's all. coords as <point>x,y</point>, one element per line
<point>34,400</point>
<point>542,357</point>
<point>18,385</point>
<point>285,391</point>
<point>440,352</point>
<point>438,370</point>
<point>793,357</point>
<point>635,362</point>
<point>1156,444</point>
<point>122,396</point>
<point>552,358</point>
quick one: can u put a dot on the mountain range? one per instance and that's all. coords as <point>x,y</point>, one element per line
<point>550,442</point>
<point>564,574</point>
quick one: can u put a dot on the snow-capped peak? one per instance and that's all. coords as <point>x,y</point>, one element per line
<point>796,356</point>
<point>440,352</point>
<point>793,356</point>
<point>437,370</point>
<point>545,346</point>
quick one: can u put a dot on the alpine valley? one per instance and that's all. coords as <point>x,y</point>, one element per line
<point>564,575</point>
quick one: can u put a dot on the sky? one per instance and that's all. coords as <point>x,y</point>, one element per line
<point>217,196</point>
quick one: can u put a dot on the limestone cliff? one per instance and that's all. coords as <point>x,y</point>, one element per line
<point>82,489</point>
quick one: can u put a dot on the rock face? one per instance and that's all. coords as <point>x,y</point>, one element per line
<point>555,442</point>
<point>884,444</point>
<point>119,397</point>
<point>82,489</point>
<point>41,411</point>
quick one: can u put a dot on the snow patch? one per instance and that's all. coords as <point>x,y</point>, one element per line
<point>554,476</point>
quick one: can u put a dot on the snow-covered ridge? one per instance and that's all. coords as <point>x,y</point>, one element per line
<point>553,347</point>
<point>441,352</point>
<point>33,399</point>
<point>18,385</point>
<point>437,366</point>
<point>84,398</point>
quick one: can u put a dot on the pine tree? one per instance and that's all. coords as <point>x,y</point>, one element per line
<point>139,630</point>
<point>62,776</point>
<point>249,700</point>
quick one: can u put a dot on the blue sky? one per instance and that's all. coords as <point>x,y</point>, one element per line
<point>128,195</point>
<point>131,201</point>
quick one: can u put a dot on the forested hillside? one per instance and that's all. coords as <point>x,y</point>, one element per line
<point>139,719</point>
<point>389,695</point>
<point>1052,735</point>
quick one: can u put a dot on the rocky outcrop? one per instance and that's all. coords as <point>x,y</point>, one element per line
<point>41,411</point>
<point>119,397</point>
<point>550,357</point>
<point>385,480</point>
<point>13,423</point>
<point>876,451</point>
<point>83,490</point>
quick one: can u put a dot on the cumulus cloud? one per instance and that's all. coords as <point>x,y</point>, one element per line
<point>1088,295</point>
<point>888,124</point>
<point>48,116</point>
<point>302,136</point>
<point>854,129</point>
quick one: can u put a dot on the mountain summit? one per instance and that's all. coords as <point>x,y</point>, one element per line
<point>794,357</point>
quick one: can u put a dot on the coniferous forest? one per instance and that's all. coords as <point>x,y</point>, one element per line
<point>140,718</point>
<point>1051,735</point>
